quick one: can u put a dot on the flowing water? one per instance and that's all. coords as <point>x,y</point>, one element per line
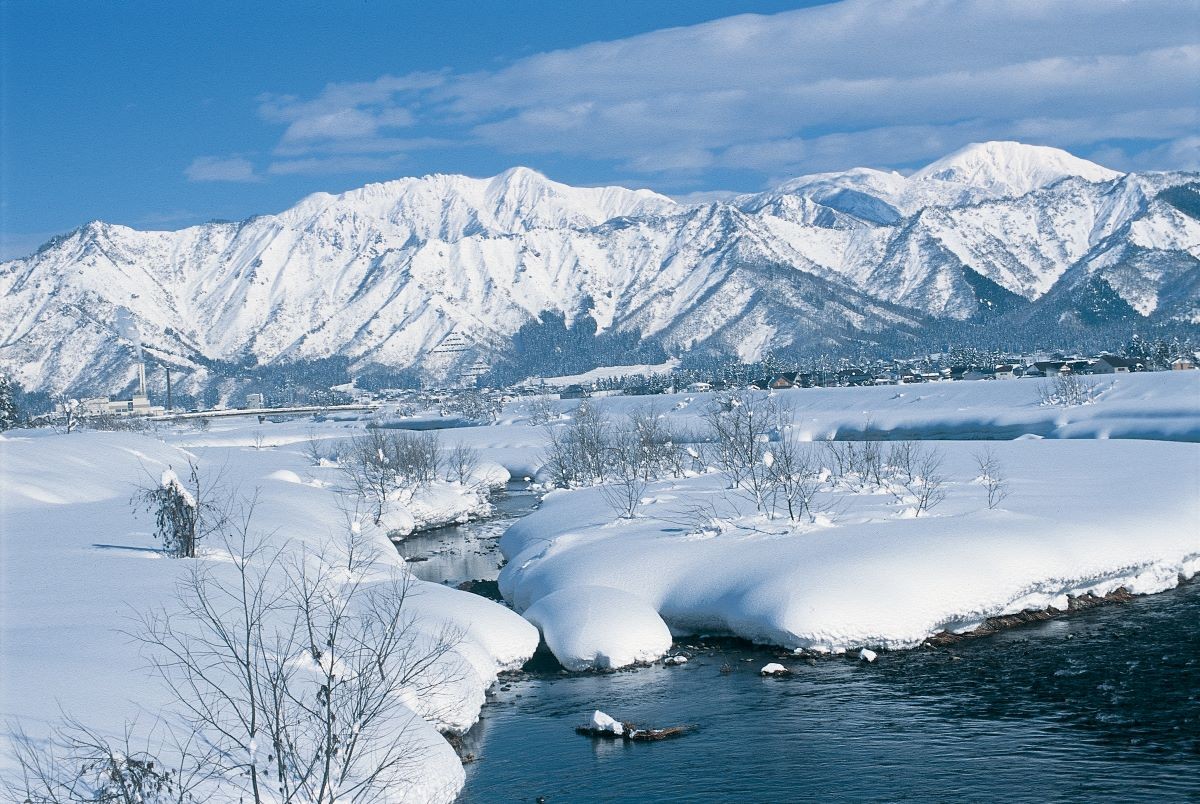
<point>1100,706</point>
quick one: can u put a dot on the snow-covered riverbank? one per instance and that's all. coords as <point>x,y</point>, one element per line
<point>1082,517</point>
<point>78,565</point>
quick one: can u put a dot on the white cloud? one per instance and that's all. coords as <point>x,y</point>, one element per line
<point>221,168</point>
<point>879,82</point>
<point>336,164</point>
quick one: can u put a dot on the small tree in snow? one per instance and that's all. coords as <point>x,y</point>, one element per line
<point>183,512</point>
<point>991,474</point>
<point>1068,390</point>
<point>628,471</point>
<point>741,425</point>
<point>462,462</point>
<point>68,410</point>
<point>299,669</point>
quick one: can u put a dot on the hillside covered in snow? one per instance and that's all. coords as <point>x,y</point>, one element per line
<point>388,274</point>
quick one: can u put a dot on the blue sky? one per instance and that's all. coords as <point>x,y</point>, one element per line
<point>160,115</point>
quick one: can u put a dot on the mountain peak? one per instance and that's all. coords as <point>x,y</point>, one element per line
<point>1010,168</point>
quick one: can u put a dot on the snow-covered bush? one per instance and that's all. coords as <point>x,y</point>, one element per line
<point>183,514</point>
<point>473,405</point>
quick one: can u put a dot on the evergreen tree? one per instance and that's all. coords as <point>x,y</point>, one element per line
<point>9,416</point>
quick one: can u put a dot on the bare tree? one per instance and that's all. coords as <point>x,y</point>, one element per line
<point>742,425</point>
<point>68,410</point>
<point>79,764</point>
<point>462,462</point>
<point>295,668</point>
<point>381,463</point>
<point>992,476</point>
<point>258,439</point>
<point>928,485</point>
<point>901,460</point>
<point>795,479</point>
<point>630,467</point>
<point>578,452</point>
<point>318,450</point>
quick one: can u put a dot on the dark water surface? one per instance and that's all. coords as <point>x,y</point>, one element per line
<point>1100,706</point>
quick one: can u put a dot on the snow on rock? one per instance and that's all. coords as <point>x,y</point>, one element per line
<point>598,627</point>
<point>435,505</point>
<point>867,655</point>
<point>774,669</point>
<point>602,722</point>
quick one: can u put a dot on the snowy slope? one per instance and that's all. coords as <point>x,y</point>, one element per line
<point>385,273</point>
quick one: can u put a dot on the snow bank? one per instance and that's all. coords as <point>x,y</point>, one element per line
<point>76,563</point>
<point>1082,517</point>
<point>599,627</point>
<point>1157,405</point>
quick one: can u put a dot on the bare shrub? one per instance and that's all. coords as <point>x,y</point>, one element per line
<point>295,667</point>
<point>992,476</point>
<point>795,478</point>
<point>78,764</point>
<point>1068,390</point>
<point>901,460</point>
<point>318,450</point>
<point>382,462</point>
<point>258,439</point>
<point>630,467</point>
<point>462,462</point>
<point>577,453</point>
<point>928,484</point>
<point>742,425</point>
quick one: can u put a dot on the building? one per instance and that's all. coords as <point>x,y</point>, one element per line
<point>1183,363</point>
<point>1111,364</point>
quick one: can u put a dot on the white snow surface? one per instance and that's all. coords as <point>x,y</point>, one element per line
<point>599,627</point>
<point>76,564</point>
<point>1083,516</point>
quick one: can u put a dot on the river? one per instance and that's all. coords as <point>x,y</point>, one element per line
<point>1102,705</point>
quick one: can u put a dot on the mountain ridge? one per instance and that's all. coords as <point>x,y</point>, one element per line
<point>382,274</point>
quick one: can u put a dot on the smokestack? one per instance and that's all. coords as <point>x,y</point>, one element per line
<point>141,373</point>
<point>168,389</point>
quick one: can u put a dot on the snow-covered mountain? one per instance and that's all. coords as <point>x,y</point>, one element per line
<point>385,273</point>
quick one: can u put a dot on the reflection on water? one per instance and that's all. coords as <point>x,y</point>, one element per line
<point>467,552</point>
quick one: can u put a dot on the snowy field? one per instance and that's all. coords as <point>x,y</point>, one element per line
<point>79,566</point>
<point>1099,496</point>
